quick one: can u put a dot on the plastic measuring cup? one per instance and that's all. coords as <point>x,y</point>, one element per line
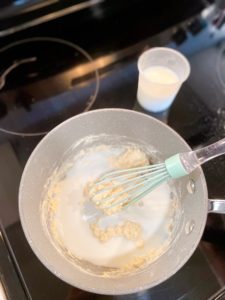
<point>161,74</point>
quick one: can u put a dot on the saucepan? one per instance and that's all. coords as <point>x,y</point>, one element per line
<point>139,127</point>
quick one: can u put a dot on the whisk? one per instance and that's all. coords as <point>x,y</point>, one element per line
<point>117,189</point>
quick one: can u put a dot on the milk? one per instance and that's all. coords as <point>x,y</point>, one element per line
<point>157,88</point>
<point>155,213</point>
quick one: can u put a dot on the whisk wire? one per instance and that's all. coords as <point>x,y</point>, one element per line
<point>127,180</point>
<point>132,188</point>
<point>126,174</point>
<point>126,201</point>
<point>147,190</point>
<point>133,171</point>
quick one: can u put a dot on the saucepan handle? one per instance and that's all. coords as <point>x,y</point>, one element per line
<point>217,206</point>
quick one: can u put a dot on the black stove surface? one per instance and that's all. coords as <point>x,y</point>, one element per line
<point>62,81</point>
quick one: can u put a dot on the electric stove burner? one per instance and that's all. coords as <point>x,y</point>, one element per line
<point>43,81</point>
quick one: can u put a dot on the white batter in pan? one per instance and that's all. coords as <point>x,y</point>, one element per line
<point>125,241</point>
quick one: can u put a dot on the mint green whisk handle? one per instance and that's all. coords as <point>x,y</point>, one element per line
<point>182,164</point>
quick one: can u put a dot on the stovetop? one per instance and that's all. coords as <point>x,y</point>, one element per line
<point>65,76</point>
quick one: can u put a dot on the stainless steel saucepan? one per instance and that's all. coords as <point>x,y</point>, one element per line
<point>136,126</point>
